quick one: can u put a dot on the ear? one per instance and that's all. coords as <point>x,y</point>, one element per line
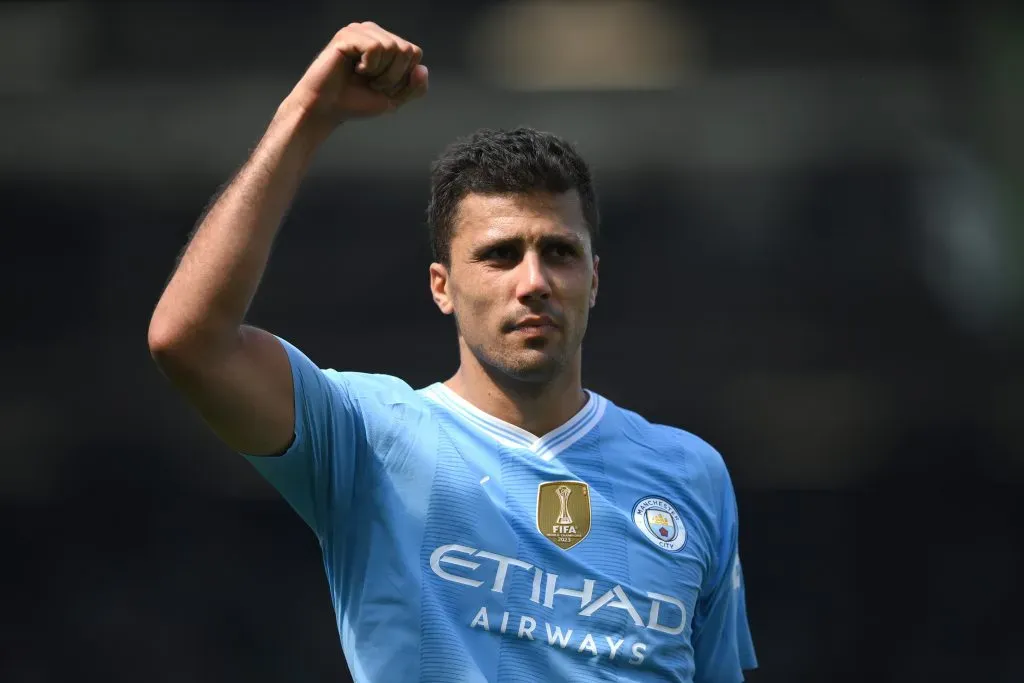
<point>593,284</point>
<point>439,288</point>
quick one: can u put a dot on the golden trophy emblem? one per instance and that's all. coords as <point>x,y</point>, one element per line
<point>563,512</point>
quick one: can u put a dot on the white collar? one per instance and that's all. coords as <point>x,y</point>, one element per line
<point>505,433</point>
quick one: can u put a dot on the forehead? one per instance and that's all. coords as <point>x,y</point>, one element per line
<point>484,217</point>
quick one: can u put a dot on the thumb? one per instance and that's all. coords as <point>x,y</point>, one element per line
<point>419,79</point>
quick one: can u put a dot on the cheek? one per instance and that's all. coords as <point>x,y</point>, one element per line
<point>477,302</point>
<point>473,304</point>
<point>576,290</point>
<point>484,291</point>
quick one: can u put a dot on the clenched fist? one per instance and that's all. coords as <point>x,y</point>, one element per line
<point>364,71</point>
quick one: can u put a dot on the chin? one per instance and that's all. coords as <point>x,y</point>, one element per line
<point>532,366</point>
<point>522,363</point>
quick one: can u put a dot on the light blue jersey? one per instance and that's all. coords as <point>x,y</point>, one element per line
<point>462,549</point>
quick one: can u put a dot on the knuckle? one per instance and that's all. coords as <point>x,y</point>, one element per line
<point>369,24</point>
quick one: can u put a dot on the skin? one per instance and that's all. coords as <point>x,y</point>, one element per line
<point>521,280</point>
<point>236,376</point>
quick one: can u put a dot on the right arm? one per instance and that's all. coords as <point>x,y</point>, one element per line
<point>236,376</point>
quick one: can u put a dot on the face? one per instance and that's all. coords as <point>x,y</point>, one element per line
<point>521,281</point>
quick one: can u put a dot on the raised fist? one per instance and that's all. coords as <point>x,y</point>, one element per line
<point>364,71</point>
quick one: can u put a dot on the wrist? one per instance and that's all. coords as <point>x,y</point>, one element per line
<point>301,126</point>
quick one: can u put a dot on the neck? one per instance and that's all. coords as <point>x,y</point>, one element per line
<point>537,407</point>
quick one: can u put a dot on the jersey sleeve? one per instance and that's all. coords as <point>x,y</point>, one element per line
<point>723,646</point>
<point>338,421</point>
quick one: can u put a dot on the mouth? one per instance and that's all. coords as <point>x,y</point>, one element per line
<point>534,329</point>
<point>535,323</point>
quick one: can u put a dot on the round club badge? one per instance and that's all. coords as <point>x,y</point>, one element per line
<point>660,523</point>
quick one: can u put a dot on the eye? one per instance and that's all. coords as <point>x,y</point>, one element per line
<point>562,251</point>
<point>503,253</point>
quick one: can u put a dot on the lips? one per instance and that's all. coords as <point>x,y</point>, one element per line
<point>535,321</point>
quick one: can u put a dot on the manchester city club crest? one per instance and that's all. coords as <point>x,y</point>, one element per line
<point>660,523</point>
<point>563,512</point>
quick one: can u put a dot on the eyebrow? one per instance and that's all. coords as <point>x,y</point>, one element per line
<point>543,242</point>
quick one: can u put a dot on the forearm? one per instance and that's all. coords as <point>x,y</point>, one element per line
<point>206,300</point>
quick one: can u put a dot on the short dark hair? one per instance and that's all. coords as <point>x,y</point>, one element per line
<point>492,162</point>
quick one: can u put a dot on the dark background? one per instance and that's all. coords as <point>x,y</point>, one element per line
<point>814,259</point>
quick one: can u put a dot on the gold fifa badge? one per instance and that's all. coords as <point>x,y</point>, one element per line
<point>563,512</point>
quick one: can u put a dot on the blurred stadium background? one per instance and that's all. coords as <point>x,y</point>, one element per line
<point>814,258</point>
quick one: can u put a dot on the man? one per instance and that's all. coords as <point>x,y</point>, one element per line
<point>505,525</point>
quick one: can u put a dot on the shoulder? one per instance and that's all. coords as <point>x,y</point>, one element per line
<point>348,391</point>
<point>372,387</point>
<point>380,400</point>
<point>698,458</point>
<point>310,376</point>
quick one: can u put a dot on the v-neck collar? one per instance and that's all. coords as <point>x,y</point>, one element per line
<point>546,447</point>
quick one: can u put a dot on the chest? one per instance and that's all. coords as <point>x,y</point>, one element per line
<point>600,534</point>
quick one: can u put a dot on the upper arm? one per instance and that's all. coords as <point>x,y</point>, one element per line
<point>269,399</point>
<point>344,423</point>
<point>723,646</point>
<point>244,394</point>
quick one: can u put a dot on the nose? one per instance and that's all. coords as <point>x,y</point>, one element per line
<point>533,282</point>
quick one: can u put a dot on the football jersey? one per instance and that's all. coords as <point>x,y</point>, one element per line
<point>461,548</point>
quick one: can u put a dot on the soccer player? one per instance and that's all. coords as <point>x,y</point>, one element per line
<point>506,524</point>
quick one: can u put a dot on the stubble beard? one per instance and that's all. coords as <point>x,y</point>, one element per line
<point>534,365</point>
<point>537,362</point>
